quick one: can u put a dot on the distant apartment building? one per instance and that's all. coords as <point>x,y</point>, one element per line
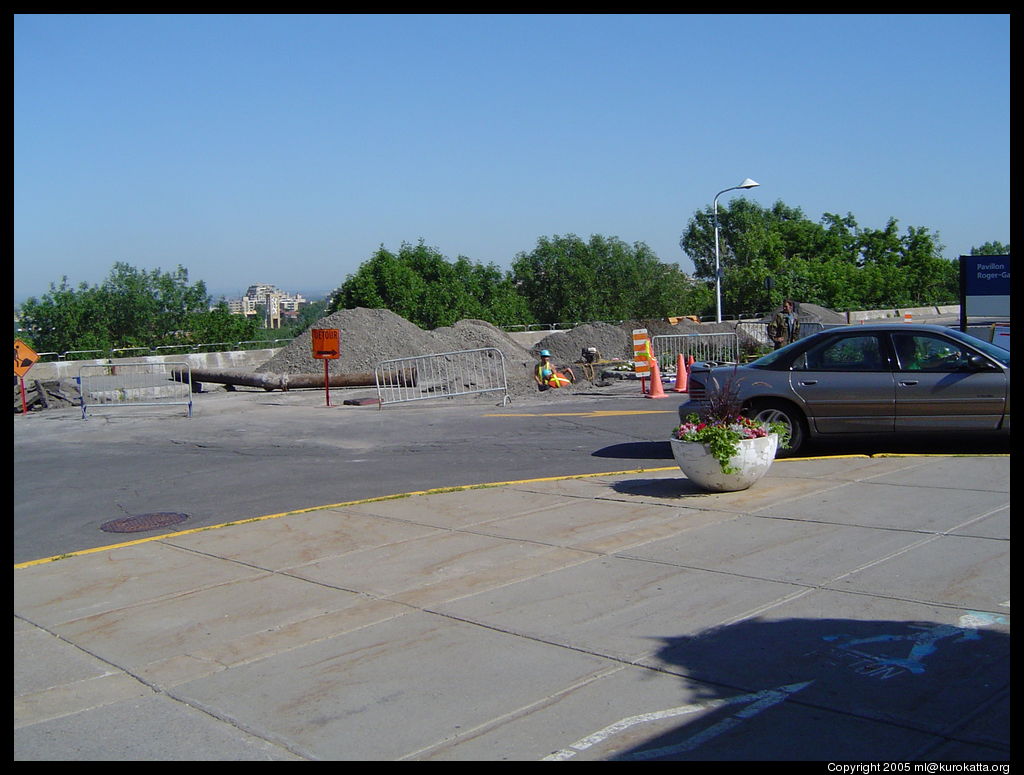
<point>275,303</point>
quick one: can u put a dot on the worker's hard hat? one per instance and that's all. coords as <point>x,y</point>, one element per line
<point>545,354</point>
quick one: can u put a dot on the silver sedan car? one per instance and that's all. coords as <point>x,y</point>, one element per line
<point>868,379</point>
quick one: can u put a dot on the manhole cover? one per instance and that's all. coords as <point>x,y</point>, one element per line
<point>142,522</point>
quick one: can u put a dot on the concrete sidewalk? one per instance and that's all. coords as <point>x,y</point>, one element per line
<point>841,609</point>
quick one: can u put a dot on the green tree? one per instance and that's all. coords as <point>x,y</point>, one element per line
<point>427,289</point>
<point>308,315</point>
<point>66,318</point>
<point>219,325</point>
<point>834,263</point>
<point>565,279</point>
<point>991,249</point>
<point>131,308</point>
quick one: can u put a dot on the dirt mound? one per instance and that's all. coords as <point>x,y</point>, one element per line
<point>611,342</point>
<point>811,313</point>
<point>369,336</point>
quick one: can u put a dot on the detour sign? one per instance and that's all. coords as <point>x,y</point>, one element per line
<point>326,343</point>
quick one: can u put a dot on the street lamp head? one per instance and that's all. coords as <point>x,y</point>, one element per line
<point>748,183</point>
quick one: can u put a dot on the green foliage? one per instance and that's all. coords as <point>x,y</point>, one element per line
<point>565,279</point>
<point>833,263</point>
<point>425,288</point>
<point>991,249</point>
<point>131,308</point>
<point>219,325</point>
<point>723,437</point>
<point>308,315</point>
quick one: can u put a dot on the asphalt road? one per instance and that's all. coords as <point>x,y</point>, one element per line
<point>253,453</point>
<point>248,454</point>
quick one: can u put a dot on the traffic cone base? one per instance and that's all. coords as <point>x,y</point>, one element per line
<point>657,391</point>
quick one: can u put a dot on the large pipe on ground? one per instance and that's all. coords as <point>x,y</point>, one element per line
<point>405,378</point>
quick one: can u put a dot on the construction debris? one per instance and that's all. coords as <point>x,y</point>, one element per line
<point>47,394</point>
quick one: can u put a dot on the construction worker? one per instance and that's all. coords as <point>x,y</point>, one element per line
<point>547,376</point>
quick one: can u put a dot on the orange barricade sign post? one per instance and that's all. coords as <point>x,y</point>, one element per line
<point>641,356</point>
<point>24,358</point>
<point>326,346</point>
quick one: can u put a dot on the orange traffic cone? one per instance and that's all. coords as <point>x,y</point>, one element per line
<point>657,391</point>
<point>681,375</point>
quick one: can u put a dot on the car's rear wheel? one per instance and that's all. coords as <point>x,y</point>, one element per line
<point>788,415</point>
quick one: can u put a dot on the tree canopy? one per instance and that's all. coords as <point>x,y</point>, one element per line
<point>425,288</point>
<point>565,279</point>
<point>993,248</point>
<point>766,254</point>
<point>834,263</point>
<point>130,308</point>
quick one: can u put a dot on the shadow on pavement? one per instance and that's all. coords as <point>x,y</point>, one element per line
<point>677,487</point>
<point>637,450</point>
<point>839,689</point>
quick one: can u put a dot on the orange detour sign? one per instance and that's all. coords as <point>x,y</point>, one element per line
<point>326,343</point>
<point>326,346</point>
<point>24,358</point>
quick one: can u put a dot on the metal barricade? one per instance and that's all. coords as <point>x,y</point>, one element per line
<point>758,331</point>
<point>442,375</point>
<point>719,347</point>
<point>123,385</point>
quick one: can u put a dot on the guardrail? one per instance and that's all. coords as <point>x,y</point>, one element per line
<point>164,349</point>
<point>126,385</point>
<point>442,375</point>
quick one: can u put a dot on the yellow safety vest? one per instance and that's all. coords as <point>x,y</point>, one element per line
<point>553,378</point>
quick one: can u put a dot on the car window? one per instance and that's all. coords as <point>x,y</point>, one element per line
<point>999,354</point>
<point>926,352</point>
<point>845,353</point>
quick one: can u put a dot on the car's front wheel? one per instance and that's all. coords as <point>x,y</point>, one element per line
<point>789,416</point>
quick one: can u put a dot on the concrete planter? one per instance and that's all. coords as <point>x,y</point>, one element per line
<point>753,460</point>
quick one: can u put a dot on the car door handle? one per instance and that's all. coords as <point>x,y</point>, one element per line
<point>808,382</point>
<point>908,382</point>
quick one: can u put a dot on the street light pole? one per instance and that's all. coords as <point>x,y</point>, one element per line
<point>747,183</point>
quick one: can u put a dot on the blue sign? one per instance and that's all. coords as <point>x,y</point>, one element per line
<point>986,275</point>
<point>985,285</point>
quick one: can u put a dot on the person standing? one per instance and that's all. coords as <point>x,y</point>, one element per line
<point>784,328</point>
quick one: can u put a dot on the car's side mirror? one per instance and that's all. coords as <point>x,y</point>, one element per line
<point>979,363</point>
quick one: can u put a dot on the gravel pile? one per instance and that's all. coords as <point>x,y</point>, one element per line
<point>612,342</point>
<point>812,313</point>
<point>369,336</point>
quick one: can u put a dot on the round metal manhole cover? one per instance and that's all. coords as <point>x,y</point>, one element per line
<point>143,522</point>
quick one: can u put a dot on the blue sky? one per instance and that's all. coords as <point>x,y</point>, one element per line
<point>287,149</point>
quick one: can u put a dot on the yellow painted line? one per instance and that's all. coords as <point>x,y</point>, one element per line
<point>437,491</point>
<point>605,413</point>
<point>941,454</point>
<point>396,496</point>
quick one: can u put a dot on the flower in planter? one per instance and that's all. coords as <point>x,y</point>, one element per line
<point>721,426</point>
